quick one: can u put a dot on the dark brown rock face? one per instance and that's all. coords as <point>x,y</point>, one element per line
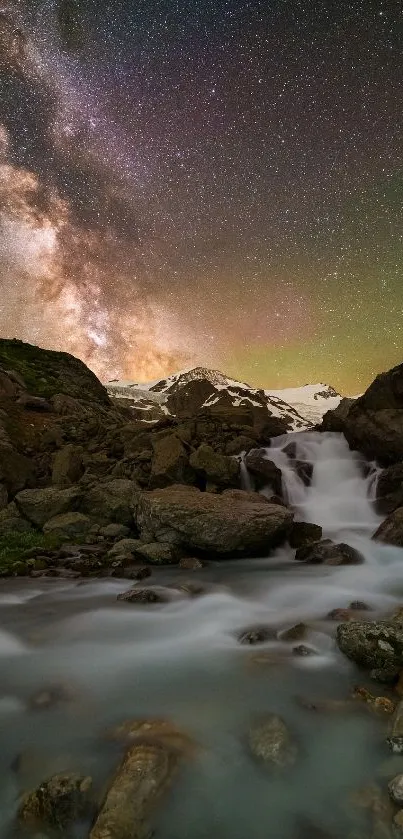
<point>391,530</point>
<point>264,471</point>
<point>389,490</point>
<point>373,423</point>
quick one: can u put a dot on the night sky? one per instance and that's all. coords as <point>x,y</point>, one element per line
<point>215,183</point>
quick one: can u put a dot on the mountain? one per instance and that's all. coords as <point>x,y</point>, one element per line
<point>311,401</point>
<point>189,391</point>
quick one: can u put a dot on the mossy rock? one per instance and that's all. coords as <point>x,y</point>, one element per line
<point>47,372</point>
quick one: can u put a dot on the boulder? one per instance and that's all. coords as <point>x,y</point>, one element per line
<point>3,497</point>
<point>159,553</point>
<point>68,465</point>
<point>389,489</point>
<point>271,742</point>
<point>147,771</point>
<point>114,531</point>
<point>34,403</point>
<point>233,523</point>
<point>170,462</point>
<point>214,467</point>
<point>145,595</point>
<point>264,471</point>
<point>374,645</point>
<point>110,501</point>
<point>16,470</point>
<point>391,530</point>
<point>304,533</point>
<point>69,525</point>
<point>40,505</point>
<point>57,803</point>
<point>327,552</point>
<point>124,547</point>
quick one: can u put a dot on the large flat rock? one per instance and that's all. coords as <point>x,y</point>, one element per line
<point>233,523</point>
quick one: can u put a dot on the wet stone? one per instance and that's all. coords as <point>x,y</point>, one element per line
<point>144,596</point>
<point>395,739</point>
<point>360,606</point>
<point>294,633</point>
<point>395,788</point>
<point>257,635</point>
<point>271,742</point>
<point>302,651</point>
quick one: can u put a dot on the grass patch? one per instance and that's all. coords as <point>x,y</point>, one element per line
<point>13,546</point>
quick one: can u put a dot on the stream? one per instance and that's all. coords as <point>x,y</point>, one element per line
<point>183,661</point>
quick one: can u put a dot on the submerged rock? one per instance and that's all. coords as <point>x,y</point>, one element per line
<point>327,552</point>
<point>375,645</point>
<point>257,635</point>
<point>145,595</point>
<point>233,523</point>
<point>146,772</point>
<point>57,803</point>
<point>271,742</point>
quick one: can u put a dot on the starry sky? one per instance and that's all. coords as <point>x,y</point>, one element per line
<point>215,183</point>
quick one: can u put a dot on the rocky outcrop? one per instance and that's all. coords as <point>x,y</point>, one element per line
<point>233,523</point>
<point>327,552</point>
<point>46,372</point>
<point>373,424</point>
<point>391,530</point>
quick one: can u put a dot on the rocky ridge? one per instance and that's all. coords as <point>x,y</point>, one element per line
<point>184,393</point>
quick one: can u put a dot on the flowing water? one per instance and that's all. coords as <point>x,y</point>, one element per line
<point>182,661</point>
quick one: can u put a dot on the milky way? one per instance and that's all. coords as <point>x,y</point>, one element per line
<point>197,182</point>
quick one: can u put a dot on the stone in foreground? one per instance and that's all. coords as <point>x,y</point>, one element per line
<point>58,802</point>
<point>233,523</point>
<point>145,773</point>
<point>271,742</point>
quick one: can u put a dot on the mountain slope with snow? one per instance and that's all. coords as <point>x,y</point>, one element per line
<point>189,391</point>
<point>311,401</point>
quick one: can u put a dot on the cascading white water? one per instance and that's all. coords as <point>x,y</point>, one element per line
<point>338,496</point>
